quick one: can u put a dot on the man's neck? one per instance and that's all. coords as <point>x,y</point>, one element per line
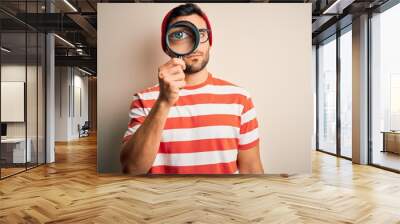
<point>196,78</point>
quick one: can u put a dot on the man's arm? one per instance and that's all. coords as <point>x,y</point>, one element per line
<point>249,161</point>
<point>139,152</point>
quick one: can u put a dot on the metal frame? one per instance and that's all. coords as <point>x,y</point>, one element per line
<point>387,5</point>
<point>316,97</point>
<point>26,88</point>
<point>45,89</point>
<point>338,97</point>
<point>369,91</point>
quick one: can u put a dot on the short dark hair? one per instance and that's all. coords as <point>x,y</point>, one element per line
<point>184,10</point>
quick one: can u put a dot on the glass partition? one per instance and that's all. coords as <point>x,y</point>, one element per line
<point>22,77</point>
<point>13,99</point>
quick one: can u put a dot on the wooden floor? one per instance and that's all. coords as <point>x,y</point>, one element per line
<point>8,171</point>
<point>70,191</point>
<point>5,172</point>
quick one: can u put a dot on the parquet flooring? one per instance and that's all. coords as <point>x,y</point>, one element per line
<point>70,191</point>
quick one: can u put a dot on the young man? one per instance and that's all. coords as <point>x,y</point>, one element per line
<point>191,122</point>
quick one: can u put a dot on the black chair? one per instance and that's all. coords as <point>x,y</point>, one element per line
<point>84,130</point>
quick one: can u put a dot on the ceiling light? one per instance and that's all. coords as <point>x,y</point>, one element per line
<point>64,40</point>
<point>338,6</point>
<point>5,50</point>
<point>332,7</point>
<point>84,71</point>
<point>70,5</point>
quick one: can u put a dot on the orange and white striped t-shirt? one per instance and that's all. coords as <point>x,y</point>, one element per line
<point>204,130</point>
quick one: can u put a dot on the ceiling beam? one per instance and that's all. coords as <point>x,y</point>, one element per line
<point>84,61</point>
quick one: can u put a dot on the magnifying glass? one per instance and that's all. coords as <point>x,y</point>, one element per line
<point>182,38</point>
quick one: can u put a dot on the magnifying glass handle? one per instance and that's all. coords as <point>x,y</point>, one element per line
<point>180,57</point>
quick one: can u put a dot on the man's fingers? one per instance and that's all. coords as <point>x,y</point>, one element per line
<point>180,84</point>
<point>171,64</point>
<point>177,61</point>
<point>177,72</point>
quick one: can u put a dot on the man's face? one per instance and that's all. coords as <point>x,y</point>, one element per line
<point>198,59</point>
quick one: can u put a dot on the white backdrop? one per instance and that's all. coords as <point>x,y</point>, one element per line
<point>265,48</point>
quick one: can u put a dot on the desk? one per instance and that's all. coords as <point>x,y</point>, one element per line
<point>13,150</point>
<point>391,141</point>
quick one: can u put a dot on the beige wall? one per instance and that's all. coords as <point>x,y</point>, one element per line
<point>266,48</point>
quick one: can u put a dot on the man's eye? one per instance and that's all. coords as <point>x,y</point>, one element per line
<point>179,35</point>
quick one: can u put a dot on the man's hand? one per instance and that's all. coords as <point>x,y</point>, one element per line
<point>171,79</point>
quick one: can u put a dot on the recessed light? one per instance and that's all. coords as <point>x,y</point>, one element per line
<point>84,71</point>
<point>64,40</point>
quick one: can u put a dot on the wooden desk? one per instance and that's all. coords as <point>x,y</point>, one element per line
<point>391,141</point>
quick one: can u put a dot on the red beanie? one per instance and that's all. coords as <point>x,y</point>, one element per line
<point>164,29</point>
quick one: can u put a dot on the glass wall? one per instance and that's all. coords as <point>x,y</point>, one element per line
<point>385,88</point>
<point>346,92</point>
<point>327,95</point>
<point>22,92</point>
<point>13,88</point>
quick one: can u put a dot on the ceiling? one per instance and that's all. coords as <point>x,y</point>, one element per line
<point>76,22</point>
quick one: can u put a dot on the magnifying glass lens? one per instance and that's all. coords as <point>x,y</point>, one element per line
<point>181,40</point>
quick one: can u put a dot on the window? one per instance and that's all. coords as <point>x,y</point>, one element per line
<point>327,96</point>
<point>346,93</point>
<point>385,88</point>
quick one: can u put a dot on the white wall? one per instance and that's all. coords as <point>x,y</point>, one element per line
<point>61,103</point>
<point>265,48</point>
<point>68,81</point>
<point>80,84</point>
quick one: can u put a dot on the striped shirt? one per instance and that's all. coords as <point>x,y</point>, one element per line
<point>204,130</point>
